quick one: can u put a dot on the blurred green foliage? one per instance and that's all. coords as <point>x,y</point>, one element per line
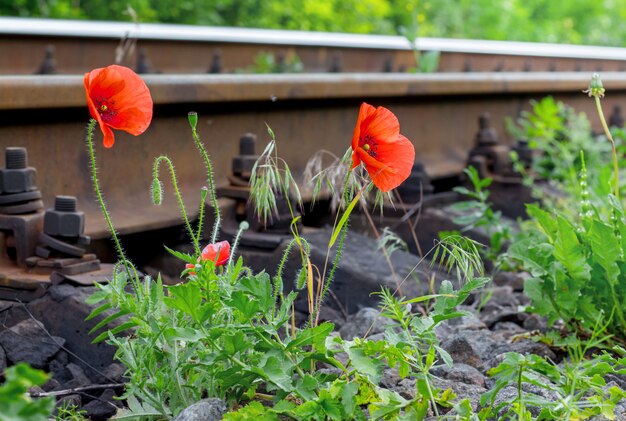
<point>574,21</point>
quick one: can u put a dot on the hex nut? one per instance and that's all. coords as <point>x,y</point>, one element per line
<point>18,180</point>
<point>64,224</point>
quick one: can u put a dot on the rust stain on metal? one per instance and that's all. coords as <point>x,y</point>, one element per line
<point>307,112</point>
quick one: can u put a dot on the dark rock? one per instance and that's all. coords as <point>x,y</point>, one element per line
<point>362,270</point>
<point>59,372</point>
<point>366,321</point>
<point>69,401</point>
<point>494,313</point>
<point>450,327</point>
<point>535,322</point>
<point>211,409</point>
<point>510,392</point>
<point>329,314</point>
<point>102,408</point>
<point>501,295</point>
<point>523,346</point>
<point>508,330</point>
<point>29,341</point>
<point>36,390</point>
<point>508,327</point>
<point>471,347</point>
<point>62,357</point>
<point>77,375</point>
<point>63,311</point>
<point>511,279</point>
<point>460,372</point>
<point>462,390</point>
<point>52,384</point>
<point>112,373</point>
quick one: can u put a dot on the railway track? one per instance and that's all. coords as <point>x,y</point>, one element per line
<point>29,46</point>
<point>439,112</point>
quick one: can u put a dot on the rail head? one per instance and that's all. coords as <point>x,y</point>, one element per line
<point>168,32</point>
<point>67,91</point>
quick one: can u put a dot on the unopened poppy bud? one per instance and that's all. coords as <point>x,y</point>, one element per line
<point>192,116</point>
<point>595,87</point>
<point>156,191</point>
<point>244,225</point>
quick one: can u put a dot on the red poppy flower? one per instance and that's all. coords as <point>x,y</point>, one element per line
<point>387,155</point>
<point>118,99</point>
<point>218,253</point>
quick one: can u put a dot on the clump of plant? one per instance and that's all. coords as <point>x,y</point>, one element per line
<point>230,333</point>
<point>575,389</point>
<point>577,262</point>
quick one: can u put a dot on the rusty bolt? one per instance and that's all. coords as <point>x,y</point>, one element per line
<point>486,135</point>
<point>243,163</point>
<point>64,220</point>
<point>17,177</point>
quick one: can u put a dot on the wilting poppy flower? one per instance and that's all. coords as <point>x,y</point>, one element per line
<point>387,155</point>
<point>118,99</point>
<point>218,253</point>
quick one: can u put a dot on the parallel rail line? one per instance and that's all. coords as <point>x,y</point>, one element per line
<point>77,46</point>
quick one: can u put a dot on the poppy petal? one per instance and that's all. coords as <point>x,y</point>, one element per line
<point>109,137</point>
<point>365,111</point>
<point>124,98</point>
<point>382,126</point>
<point>392,165</point>
<point>218,253</point>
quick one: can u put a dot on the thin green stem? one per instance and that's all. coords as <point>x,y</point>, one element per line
<point>520,393</point>
<point>209,170</point>
<point>96,186</point>
<point>181,204</point>
<point>607,132</point>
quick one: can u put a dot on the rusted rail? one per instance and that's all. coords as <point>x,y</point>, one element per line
<point>30,46</point>
<point>437,112</point>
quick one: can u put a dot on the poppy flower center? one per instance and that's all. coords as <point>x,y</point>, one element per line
<point>105,108</point>
<point>369,145</point>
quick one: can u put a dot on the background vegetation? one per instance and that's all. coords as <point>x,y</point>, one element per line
<point>574,21</point>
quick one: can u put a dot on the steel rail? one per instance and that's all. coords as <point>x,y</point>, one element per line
<point>170,32</point>
<point>49,46</point>
<point>437,112</point>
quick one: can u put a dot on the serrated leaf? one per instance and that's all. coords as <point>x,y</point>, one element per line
<point>535,257</point>
<point>369,367</point>
<point>235,342</point>
<point>278,372</point>
<point>312,336</point>
<point>186,298</point>
<point>545,220</point>
<point>242,302</point>
<point>604,247</point>
<point>569,251</point>
<point>260,287</point>
<point>182,334</point>
<point>307,386</point>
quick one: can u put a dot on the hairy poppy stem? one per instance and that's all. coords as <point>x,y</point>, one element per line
<point>96,187</point>
<point>209,170</point>
<point>181,204</point>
